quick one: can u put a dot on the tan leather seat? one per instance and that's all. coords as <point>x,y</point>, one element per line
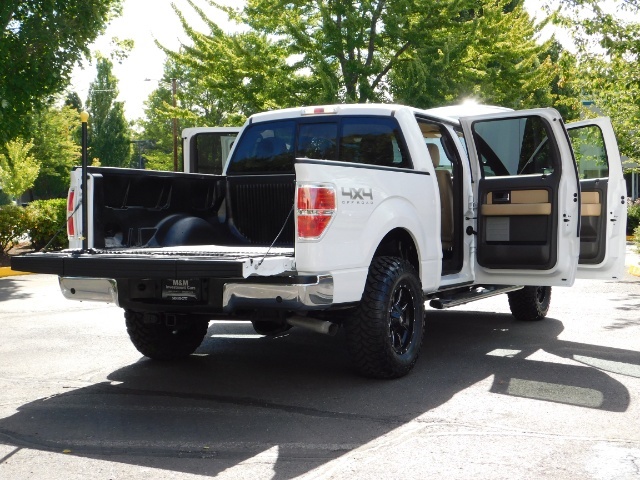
<point>445,186</point>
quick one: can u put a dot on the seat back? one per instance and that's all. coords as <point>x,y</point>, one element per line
<point>445,187</point>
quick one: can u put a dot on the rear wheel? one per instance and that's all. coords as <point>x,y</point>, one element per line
<point>384,335</point>
<point>162,338</point>
<point>530,304</point>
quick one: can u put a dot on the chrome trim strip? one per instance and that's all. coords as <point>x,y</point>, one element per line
<point>298,296</point>
<point>89,289</point>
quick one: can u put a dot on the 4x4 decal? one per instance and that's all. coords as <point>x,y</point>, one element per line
<point>359,196</point>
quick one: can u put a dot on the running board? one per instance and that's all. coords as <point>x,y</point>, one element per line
<point>477,293</point>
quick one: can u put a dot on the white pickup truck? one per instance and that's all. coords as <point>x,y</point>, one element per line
<point>351,216</point>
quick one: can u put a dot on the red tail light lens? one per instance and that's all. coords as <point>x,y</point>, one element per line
<point>316,198</point>
<point>71,229</point>
<point>316,207</point>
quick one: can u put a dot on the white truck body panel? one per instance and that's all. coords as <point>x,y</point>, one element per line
<point>361,223</point>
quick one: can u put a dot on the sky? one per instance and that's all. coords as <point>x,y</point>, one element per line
<point>145,21</point>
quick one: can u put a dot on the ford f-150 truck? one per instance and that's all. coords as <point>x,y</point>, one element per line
<point>351,216</point>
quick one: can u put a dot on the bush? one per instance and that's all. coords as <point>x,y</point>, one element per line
<point>636,238</point>
<point>12,226</point>
<point>633,215</point>
<point>46,218</point>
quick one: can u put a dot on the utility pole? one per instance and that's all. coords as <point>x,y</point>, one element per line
<point>174,88</point>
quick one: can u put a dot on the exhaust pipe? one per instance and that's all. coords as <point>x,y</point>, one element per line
<point>313,324</point>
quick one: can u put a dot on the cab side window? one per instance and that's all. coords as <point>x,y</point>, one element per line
<point>373,141</point>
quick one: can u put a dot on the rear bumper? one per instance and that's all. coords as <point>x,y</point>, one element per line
<point>307,296</point>
<point>89,289</point>
<point>316,294</point>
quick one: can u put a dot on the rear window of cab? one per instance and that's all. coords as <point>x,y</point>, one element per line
<point>272,147</point>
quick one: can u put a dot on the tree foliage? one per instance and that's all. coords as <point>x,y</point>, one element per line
<point>109,136</point>
<point>18,168</point>
<point>225,77</point>
<point>489,54</point>
<point>56,147</point>
<point>607,42</point>
<point>423,53</point>
<point>40,42</point>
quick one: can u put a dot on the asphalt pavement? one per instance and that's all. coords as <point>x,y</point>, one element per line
<point>490,397</point>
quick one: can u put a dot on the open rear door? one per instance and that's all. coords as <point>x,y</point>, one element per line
<point>206,149</point>
<point>603,198</point>
<point>527,196</point>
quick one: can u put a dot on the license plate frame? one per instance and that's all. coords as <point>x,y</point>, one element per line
<point>182,289</point>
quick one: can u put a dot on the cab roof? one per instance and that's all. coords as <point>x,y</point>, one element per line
<point>449,113</point>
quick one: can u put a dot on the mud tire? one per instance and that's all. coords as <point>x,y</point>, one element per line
<point>153,338</point>
<point>384,335</point>
<point>530,304</point>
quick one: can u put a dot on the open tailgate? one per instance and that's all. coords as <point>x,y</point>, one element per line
<point>167,262</point>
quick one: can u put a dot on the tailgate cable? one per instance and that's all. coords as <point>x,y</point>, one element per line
<point>275,239</point>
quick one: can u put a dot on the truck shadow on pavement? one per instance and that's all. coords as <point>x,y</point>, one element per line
<point>293,400</point>
<point>10,289</point>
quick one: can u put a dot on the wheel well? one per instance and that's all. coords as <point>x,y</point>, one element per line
<point>399,243</point>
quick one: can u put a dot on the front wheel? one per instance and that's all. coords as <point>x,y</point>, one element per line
<point>161,338</point>
<point>384,335</point>
<point>530,304</point>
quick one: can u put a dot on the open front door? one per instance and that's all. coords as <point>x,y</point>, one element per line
<point>603,198</point>
<point>527,195</point>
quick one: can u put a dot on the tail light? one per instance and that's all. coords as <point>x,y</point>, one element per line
<point>316,207</point>
<point>71,228</point>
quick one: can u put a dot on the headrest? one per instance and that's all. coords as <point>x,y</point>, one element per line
<point>435,154</point>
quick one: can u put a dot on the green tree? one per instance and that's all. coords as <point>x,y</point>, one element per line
<point>607,42</point>
<point>423,53</point>
<point>158,129</point>
<point>18,169</point>
<point>489,54</point>
<point>225,77</point>
<point>197,106</point>
<point>73,100</point>
<point>56,148</point>
<point>109,136</point>
<point>40,42</point>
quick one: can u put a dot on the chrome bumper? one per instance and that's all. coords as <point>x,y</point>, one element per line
<point>310,296</point>
<point>89,289</point>
<point>307,296</point>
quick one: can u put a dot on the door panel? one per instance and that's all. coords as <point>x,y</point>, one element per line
<point>593,242</point>
<point>513,234</point>
<point>527,191</point>
<point>603,198</point>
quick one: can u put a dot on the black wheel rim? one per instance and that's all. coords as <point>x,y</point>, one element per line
<point>402,319</point>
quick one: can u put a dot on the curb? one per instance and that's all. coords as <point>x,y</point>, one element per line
<point>634,270</point>
<point>7,272</point>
